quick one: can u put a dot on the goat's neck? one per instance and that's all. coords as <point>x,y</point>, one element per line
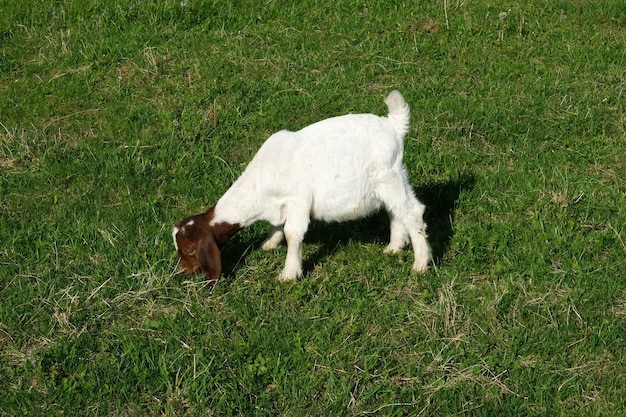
<point>222,230</point>
<point>239,205</point>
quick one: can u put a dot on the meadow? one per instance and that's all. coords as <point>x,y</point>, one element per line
<point>119,118</point>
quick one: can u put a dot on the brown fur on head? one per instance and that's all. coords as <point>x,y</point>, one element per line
<point>199,244</point>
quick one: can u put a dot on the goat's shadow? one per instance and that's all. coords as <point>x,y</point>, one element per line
<point>440,199</point>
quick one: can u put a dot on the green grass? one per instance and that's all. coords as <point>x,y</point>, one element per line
<point>118,119</point>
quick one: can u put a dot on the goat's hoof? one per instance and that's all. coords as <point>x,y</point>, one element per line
<point>288,276</point>
<point>396,245</point>
<point>420,267</point>
<point>269,245</point>
<point>392,249</point>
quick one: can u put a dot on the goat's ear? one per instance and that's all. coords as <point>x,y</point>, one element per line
<point>209,258</point>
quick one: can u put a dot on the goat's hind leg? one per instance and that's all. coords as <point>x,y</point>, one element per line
<point>274,237</point>
<point>407,211</point>
<point>398,235</point>
<point>421,248</point>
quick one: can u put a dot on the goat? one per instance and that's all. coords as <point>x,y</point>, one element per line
<point>338,169</point>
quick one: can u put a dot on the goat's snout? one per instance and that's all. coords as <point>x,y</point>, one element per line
<point>186,235</point>
<point>186,249</point>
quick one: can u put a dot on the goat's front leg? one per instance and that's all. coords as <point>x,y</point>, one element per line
<point>294,230</point>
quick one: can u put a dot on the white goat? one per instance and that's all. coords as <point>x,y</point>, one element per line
<point>341,168</point>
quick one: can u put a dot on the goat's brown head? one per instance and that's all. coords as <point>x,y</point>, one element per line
<point>199,243</point>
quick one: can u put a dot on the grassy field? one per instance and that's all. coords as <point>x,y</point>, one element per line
<point>119,118</point>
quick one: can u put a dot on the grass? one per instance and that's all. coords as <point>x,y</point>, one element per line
<point>118,119</point>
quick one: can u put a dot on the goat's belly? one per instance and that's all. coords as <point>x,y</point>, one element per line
<point>342,209</point>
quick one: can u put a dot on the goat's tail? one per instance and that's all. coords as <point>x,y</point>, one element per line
<point>398,112</point>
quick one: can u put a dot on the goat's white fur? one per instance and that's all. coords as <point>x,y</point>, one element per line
<point>341,168</point>
<point>175,231</point>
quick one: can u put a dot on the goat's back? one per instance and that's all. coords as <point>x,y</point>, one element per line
<point>332,163</point>
<point>332,167</point>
